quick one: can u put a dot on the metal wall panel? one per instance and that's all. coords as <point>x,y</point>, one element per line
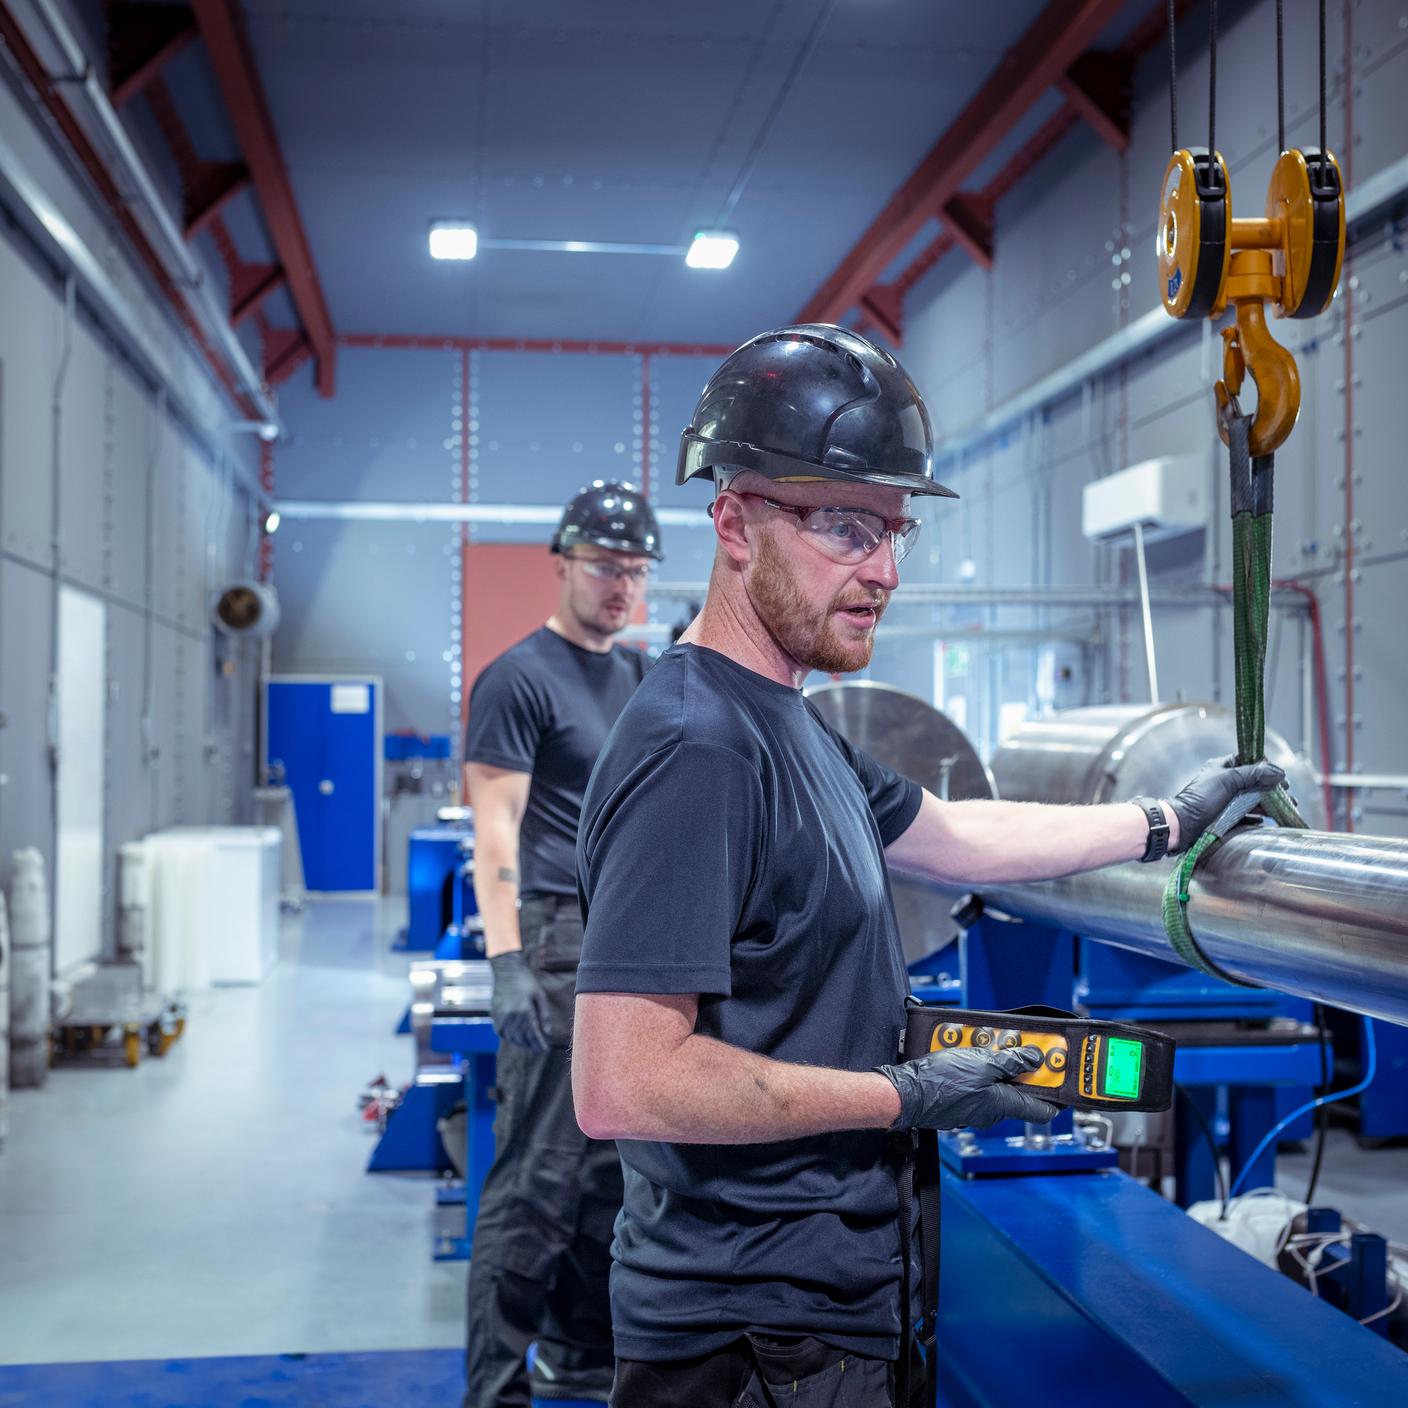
<point>383,436</point>
<point>26,794</point>
<point>29,342</point>
<point>83,454</point>
<point>134,431</point>
<point>370,598</point>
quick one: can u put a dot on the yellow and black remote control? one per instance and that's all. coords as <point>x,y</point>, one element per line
<point>1088,1064</point>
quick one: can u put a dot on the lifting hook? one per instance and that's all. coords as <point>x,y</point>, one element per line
<point>1248,347</point>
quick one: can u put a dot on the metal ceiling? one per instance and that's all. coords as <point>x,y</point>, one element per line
<point>617,120</point>
<point>306,145</point>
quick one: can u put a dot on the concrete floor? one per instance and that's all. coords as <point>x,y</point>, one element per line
<point>214,1202</point>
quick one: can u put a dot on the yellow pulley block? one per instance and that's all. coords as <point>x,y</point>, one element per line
<point>1306,199</point>
<point>1195,217</point>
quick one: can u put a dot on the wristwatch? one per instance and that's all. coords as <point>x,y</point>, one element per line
<point>1156,848</point>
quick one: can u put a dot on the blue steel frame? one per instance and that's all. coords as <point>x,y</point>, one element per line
<point>1088,1288</point>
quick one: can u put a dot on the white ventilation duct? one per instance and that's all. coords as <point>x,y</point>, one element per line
<point>245,609</point>
<point>29,972</point>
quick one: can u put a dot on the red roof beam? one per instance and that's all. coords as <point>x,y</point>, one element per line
<point>1053,42</point>
<point>969,220</point>
<point>142,40</point>
<point>244,97</point>
<point>1098,86</point>
<point>250,285</point>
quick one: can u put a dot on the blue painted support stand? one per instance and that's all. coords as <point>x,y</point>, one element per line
<point>1091,1289</point>
<point>433,857</point>
<point>473,1041</point>
<point>411,1143</point>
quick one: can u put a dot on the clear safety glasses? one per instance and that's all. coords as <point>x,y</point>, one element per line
<point>847,535</point>
<point>605,571</point>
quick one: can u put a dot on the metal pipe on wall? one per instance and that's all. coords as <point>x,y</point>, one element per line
<point>175,254</point>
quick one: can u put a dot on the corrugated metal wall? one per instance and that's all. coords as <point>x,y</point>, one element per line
<point>147,523</point>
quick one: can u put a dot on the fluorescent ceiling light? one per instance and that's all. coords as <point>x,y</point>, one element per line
<point>453,239</point>
<point>712,249</point>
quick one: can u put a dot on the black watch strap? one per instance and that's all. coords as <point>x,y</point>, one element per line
<point>1156,848</point>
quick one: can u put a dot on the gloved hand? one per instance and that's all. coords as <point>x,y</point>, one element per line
<point>1213,786</point>
<point>948,1089</point>
<point>519,1007</point>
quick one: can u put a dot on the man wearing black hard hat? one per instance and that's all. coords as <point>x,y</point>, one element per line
<point>741,991</point>
<point>538,716</point>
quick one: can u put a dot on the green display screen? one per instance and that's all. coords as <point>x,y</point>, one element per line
<point>1123,1059</point>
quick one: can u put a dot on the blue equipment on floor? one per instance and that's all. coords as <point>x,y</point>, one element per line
<point>419,1378</point>
<point>440,886</point>
<point>445,995</point>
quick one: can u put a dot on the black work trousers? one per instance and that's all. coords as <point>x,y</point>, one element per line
<point>541,1251</point>
<point>761,1372</point>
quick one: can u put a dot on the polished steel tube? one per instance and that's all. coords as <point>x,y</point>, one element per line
<point>1320,914</point>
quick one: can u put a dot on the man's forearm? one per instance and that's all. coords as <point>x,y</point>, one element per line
<point>981,842</point>
<point>707,1092</point>
<point>496,890</point>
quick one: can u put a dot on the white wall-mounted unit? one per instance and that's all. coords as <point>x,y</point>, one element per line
<point>1167,497</point>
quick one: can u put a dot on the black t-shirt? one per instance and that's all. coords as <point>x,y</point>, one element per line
<point>732,846</point>
<point>545,707</point>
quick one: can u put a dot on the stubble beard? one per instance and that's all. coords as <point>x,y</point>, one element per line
<point>596,618</point>
<point>807,633</point>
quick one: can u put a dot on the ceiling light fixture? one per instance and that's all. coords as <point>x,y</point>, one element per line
<point>712,249</point>
<point>453,239</point>
<point>272,521</point>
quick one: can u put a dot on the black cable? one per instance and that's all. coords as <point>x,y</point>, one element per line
<point>809,44</point>
<point>1322,1115</point>
<point>1212,1143</point>
<point>1323,147</point>
<point>1212,84</point>
<point>1172,80</point>
<point>1280,78</point>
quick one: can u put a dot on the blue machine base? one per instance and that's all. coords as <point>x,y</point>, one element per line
<point>1088,1288</point>
<point>411,1143</point>
<point>421,1378</point>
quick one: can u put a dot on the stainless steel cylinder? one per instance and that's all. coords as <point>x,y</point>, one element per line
<point>909,735</point>
<point>1114,752</point>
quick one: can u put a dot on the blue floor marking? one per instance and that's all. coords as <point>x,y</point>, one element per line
<point>422,1378</point>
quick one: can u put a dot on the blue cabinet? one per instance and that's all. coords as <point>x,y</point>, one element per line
<point>325,733</point>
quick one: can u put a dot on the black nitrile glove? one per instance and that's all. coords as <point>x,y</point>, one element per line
<point>519,1007</point>
<point>1218,782</point>
<point>949,1089</point>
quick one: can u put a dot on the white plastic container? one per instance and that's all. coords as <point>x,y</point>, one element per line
<point>213,905</point>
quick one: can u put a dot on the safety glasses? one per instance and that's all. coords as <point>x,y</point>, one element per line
<point>847,535</point>
<point>605,571</point>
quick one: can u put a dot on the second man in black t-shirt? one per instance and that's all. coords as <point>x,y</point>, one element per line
<point>538,716</point>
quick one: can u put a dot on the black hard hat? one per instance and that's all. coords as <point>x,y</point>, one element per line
<point>612,515</point>
<point>814,401</point>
